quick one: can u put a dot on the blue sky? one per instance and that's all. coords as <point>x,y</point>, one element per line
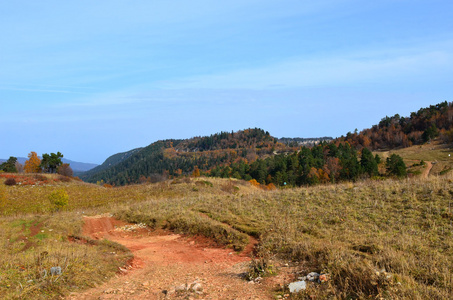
<point>94,78</point>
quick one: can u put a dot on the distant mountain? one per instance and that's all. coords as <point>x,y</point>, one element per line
<point>109,162</point>
<point>77,167</point>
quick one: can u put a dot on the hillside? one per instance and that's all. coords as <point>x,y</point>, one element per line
<point>399,132</point>
<point>109,162</point>
<point>374,239</point>
<point>181,157</point>
<point>255,154</point>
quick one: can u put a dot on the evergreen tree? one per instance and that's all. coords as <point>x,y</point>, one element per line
<point>368,163</point>
<point>50,163</point>
<point>10,165</point>
<point>396,166</point>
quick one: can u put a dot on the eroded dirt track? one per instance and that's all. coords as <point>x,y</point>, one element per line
<point>165,262</point>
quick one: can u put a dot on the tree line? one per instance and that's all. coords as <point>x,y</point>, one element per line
<point>397,131</point>
<point>326,162</point>
<point>50,163</point>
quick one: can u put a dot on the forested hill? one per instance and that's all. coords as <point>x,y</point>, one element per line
<point>180,157</point>
<point>110,162</point>
<point>420,127</point>
<point>255,154</point>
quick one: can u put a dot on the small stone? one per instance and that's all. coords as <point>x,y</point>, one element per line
<point>55,271</point>
<point>197,287</point>
<point>297,286</point>
<point>313,276</point>
<point>180,288</point>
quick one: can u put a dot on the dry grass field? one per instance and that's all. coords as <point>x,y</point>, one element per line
<point>389,239</point>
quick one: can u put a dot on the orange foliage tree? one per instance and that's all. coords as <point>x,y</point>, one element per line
<point>196,172</point>
<point>32,164</point>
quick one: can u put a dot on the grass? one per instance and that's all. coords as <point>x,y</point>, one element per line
<point>389,239</point>
<point>350,231</point>
<point>32,245</point>
<point>433,152</point>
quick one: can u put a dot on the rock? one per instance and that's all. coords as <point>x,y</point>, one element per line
<point>297,286</point>
<point>313,276</point>
<point>197,287</point>
<point>323,278</point>
<point>180,288</point>
<point>55,271</point>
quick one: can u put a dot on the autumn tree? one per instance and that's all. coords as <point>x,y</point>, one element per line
<point>196,172</point>
<point>32,165</point>
<point>65,170</point>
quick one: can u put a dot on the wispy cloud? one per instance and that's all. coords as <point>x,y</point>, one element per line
<point>42,90</point>
<point>384,66</point>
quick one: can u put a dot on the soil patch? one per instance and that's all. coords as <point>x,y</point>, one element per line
<point>165,264</point>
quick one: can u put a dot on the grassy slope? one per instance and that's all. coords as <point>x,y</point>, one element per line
<point>348,230</point>
<point>433,152</point>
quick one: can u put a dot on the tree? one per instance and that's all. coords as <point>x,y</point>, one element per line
<point>19,167</point>
<point>430,133</point>
<point>368,162</point>
<point>10,165</point>
<point>396,166</point>
<point>65,170</point>
<point>50,163</point>
<point>196,172</point>
<point>32,165</point>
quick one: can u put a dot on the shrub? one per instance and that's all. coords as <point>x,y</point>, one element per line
<point>40,177</point>
<point>10,181</point>
<point>64,178</point>
<point>59,199</point>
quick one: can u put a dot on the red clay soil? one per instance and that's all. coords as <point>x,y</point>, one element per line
<point>164,262</point>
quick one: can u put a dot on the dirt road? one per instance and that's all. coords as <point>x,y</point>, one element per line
<point>428,168</point>
<point>165,263</point>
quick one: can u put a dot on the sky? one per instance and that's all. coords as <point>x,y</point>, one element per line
<point>95,78</point>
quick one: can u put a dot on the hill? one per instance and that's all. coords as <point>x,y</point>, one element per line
<point>109,162</point>
<point>255,154</point>
<point>375,239</point>
<point>399,132</point>
<point>181,157</point>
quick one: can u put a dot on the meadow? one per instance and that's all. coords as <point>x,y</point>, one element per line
<point>388,239</point>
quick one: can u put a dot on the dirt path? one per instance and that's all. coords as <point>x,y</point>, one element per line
<point>428,168</point>
<point>165,263</point>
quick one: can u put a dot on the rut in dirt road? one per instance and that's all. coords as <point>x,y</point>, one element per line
<point>165,264</point>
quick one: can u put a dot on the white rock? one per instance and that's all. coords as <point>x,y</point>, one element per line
<point>297,286</point>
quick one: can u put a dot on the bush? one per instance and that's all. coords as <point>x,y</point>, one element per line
<point>64,178</point>
<point>10,181</point>
<point>59,199</point>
